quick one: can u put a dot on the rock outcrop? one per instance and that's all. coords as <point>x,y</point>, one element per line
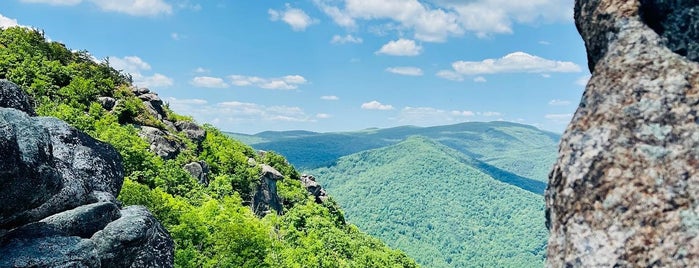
<point>309,182</point>
<point>625,189</point>
<point>58,198</point>
<point>266,197</point>
<point>199,171</point>
<point>163,144</point>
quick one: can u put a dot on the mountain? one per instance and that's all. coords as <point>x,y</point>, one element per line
<point>222,203</point>
<point>521,150</point>
<point>432,202</point>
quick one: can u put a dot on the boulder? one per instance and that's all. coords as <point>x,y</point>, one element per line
<point>266,197</point>
<point>11,96</point>
<point>58,201</point>
<point>154,105</point>
<point>309,182</point>
<point>625,189</point>
<point>192,131</point>
<point>161,143</point>
<point>199,171</point>
<point>108,103</point>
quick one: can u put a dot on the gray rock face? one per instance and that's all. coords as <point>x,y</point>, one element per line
<point>107,102</point>
<point>161,143</point>
<point>154,105</point>
<point>199,170</point>
<point>58,201</point>
<point>625,189</point>
<point>309,182</point>
<point>192,131</point>
<point>11,96</point>
<point>266,197</point>
<point>677,22</point>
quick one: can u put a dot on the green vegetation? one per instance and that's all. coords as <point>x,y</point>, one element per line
<point>212,225</point>
<point>432,202</point>
<point>521,150</point>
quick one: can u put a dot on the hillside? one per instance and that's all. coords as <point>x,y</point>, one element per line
<point>204,187</point>
<point>521,150</point>
<point>432,202</point>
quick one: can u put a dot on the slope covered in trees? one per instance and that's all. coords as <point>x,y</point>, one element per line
<point>212,224</point>
<point>522,150</point>
<point>432,202</point>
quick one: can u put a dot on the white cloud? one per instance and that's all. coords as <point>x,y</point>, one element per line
<point>296,18</point>
<point>330,98</point>
<point>436,20</point>
<point>545,43</point>
<point>557,102</point>
<point>405,70</point>
<point>400,47</point>
<point>209,82</point>
<point>517,62</point>
<point>480,79</point>
<point>428,116</point>
<point>177,36</point>
<point>54,2</point>
<point>375,105</point>
<point>175,101</point>
<point>337,39</point>
<point>450,75</point>
<point>582,81</point>
<point>323,116</point>
<point>6,22</point>
<point>201,70</point>
<point>559,118</point>
<point>252,112</point>
<point>285,83</point>
<point>134,66</point>
<point>489,114</point>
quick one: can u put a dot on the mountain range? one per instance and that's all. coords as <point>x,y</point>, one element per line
<point>460,195</point>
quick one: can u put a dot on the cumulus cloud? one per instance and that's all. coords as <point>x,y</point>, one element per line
<point>323,116</point>
<point>400,47</point>
<point>6,22</point>
<point>296,18</point>
<point>375,105</point>
<point>209,82</point>
<point>284,83</point>
<point>436,20</point>
<point>557,102</point>
<point>450,75</point>
<point>517,62</point>
<point>134,66</point>
<point>201,70</point>
<point>489,114</point>
<point>405,70</point>
<point>330,98</point>
<point>337,39</point>
<point>425,116</point>
<point>480,79</point>
<point>251,111</point>
<point>129,7</point>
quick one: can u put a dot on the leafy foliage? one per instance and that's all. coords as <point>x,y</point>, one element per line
<point>430,201</point>
<point>212,225</point>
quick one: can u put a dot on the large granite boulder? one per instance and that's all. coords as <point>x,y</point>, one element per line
<point>58,200</point>
<point>625,189</point>
<point>11,96</point>
<point>315,189</point>
<point>163,144</point>
<point>199,171</point>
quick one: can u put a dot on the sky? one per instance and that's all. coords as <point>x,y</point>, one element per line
<point>249,66</point>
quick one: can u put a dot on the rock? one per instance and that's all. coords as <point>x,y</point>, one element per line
<point>11,96</point>
<point>309,182</point>
<point>677,22</point>
<point>161,143</point>
<point>134,240</point>
<point>107,102</point>
<point>199,171</point>
<point>252,162</point>
<point>625,189</point>
<point>140,91</point>
<point>154,105</point>
<point>58,188</point>
<point>266,197</point>
<point>25,167</point>
<point>192,131</point>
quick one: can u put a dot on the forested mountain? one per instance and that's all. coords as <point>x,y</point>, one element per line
<point>211,218</point>
<point>430,201</point>
<point>522,150</point>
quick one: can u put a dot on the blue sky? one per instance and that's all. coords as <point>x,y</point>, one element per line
<point>333,65</point>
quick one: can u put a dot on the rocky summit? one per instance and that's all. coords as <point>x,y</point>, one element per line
<point>58,197</point>
<point>625,189</point>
